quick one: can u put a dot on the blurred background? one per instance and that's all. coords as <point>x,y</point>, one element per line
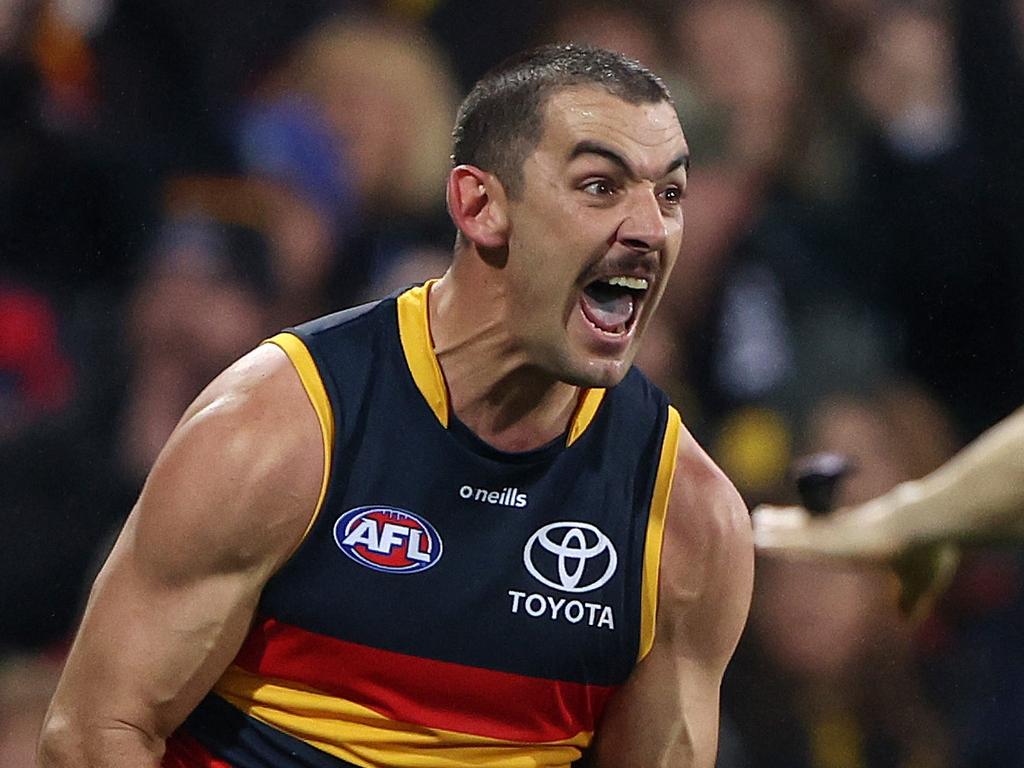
<point>181,178</point>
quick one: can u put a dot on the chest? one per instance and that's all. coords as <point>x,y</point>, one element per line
<point>427,548</point>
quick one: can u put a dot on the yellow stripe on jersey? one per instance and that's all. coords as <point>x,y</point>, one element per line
<point>367,738</point>
<point>309,374</point>
<point>414,330</point>
<point>585,412</point>
<point>656,531</point>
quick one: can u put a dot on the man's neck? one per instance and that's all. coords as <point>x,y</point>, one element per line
<point>492,387</point>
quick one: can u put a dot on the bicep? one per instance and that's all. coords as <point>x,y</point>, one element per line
<point>226,502</point>
<point>667,713</point>
<point>154,639</point>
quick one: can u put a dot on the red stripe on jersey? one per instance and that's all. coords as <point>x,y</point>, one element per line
<point>185,752</point>
<point>433,694</point>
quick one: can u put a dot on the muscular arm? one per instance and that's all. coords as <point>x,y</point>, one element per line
<point>226,502</point>
<point>978,495</point>
<point>667,713</point>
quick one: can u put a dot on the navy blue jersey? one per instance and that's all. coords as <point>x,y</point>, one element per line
<point>450,604</point>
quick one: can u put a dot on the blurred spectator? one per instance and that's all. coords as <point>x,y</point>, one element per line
<point>905,81</point>
<point>826,678</point>
<point>927,240</point>
<point>744,59</point>
<point>386,94</point>
<point>759,306</point>
<point>836,669</point>
<point>307,203</point>
<point>42,475</point>
<point>203,301</point>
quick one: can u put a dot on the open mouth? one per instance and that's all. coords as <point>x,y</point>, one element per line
<point>611,303</point>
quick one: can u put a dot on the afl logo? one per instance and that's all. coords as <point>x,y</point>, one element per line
<point>572,557</point>
<point>388,539</point>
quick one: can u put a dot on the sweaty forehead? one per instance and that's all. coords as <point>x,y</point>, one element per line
<point>648,134</point>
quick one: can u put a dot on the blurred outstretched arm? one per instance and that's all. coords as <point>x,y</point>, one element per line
<point>976,497</point>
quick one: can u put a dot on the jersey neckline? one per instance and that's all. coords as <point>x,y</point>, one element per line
<point>421,360</point>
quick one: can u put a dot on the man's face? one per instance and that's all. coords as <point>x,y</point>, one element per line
<point>594,233</point>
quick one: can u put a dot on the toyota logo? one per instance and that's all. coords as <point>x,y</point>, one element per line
<point>564,550</point>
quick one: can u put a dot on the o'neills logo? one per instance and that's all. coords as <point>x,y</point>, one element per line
<point>506,497</point>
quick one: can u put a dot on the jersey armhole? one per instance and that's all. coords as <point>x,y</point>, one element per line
<point>656,531</point>
<point>313,384</point>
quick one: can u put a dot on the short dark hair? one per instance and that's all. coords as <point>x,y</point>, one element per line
<point>501,120</point>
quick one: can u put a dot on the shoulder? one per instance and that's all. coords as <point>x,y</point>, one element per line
<point>258,397</point>
<point>345,320</point>
<point>704,501</point>
<point>708,556</point>
<point>239,478</point>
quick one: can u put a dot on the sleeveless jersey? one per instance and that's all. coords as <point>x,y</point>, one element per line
<point>450,604</point>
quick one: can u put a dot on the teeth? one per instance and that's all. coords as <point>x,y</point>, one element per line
<point>636,283</point>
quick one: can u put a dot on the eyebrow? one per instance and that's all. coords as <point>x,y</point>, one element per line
<point>594,148</point>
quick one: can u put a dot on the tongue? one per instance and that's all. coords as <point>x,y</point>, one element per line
<point>610,313</point>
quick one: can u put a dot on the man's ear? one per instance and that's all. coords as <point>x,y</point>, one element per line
<point>478,206</point>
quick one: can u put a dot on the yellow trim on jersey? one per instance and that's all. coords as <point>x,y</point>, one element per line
<point>414,330</point>
<point>656,531</point>
<point>309,374</point>
<point>585,412</point>
<point>365,737</point>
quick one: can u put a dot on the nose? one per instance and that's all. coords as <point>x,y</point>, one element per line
<point>643,228</point>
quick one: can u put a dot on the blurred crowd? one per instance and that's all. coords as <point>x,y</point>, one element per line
<point>181,178</point>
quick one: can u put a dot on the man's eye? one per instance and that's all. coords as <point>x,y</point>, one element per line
<point>601,188</point>
<point>672,194</point>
